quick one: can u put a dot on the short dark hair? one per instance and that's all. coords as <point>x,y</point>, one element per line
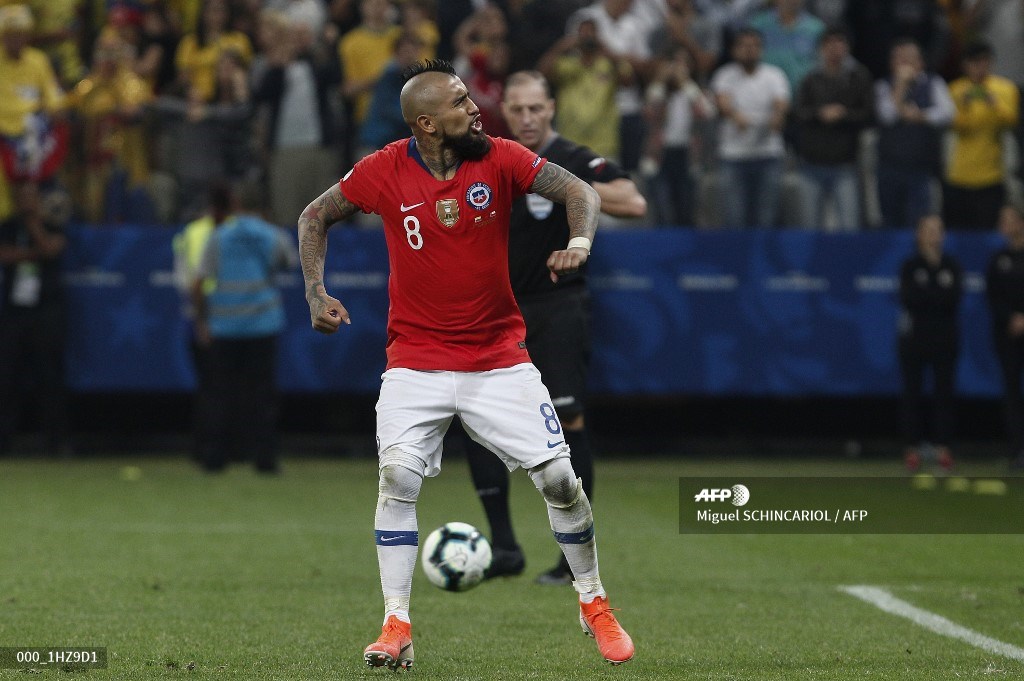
<point>904,41</point>
<point>670,50</point>
<point>748,31</point>
<point>523,77</point>
<point>834,32</point>
<point>221,197</point>
<point>978,49</point>
<point>428,66</point>
<point>407,38</point>
<point>251,196</point>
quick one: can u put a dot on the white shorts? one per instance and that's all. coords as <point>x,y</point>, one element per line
<point>508,411</point>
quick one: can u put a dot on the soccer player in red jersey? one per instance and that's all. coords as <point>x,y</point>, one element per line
<point>456,340</point>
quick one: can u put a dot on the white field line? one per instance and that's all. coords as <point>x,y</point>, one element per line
<point>883,600</point>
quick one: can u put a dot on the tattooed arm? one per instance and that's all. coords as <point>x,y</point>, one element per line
<point>582,204</point>
<point>326,312</point>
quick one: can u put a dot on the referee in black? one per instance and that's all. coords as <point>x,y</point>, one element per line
<point>556,309</point>
<point>1004,285</point>
<point>931,286</point>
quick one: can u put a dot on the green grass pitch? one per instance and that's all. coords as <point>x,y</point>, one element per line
<point>182,575</point>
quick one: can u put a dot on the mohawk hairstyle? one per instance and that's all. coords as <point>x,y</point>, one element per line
<point>428,66</point>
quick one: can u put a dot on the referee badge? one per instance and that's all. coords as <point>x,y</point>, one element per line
<point>540,208</point>
<point>448,212</point>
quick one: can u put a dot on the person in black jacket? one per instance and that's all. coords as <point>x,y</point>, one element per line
<point>834,103</point>
<point>294,94</point>
<point>33,318</point>
<point>912,108</point>
<point>1004,283</point>
<point>931,285</point>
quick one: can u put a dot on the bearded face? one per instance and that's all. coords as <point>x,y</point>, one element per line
<point>471,145</point>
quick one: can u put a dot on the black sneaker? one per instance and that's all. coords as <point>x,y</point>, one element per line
<point>560,575</point>
<point>506,563</point>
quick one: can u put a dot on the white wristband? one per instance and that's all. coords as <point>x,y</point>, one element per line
<point>580,242</point>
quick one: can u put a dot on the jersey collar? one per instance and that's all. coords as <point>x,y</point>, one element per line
<point>414,153</point>
<point>547,145</point>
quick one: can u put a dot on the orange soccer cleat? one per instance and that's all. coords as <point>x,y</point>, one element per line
<point>612,640</point>
<point>394,647</point>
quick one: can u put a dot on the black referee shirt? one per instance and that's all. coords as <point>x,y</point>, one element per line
<point>930,295</point>
<point>1004,285</point>
<point>540,226</point>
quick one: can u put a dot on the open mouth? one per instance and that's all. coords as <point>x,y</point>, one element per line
<point>477,125</point>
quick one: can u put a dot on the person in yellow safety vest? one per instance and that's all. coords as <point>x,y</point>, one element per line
<point>240,321</point>
<point>188,246</point>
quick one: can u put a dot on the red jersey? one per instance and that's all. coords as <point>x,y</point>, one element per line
<point>452,306</point>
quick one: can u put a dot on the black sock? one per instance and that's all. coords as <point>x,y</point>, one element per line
<point>582,458</point>
<point>490,477</point>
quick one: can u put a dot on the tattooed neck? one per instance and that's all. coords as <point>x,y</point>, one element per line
<point>441,163</point>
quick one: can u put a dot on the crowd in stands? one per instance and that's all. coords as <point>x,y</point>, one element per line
<point>822,114</point>
<point>838,115</point>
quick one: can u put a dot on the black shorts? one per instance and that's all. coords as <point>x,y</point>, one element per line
<point>558,340</point>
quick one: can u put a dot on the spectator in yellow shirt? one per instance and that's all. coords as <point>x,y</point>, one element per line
<point>108,103</point>
<point>27,83</point>
<point>54,32</point>
<point>32,147</point>
<point>418,19</point>
<point>364,52</point>
<point>986,106</point>
<point>199,52</point>
<point>184,14</point>
<point>586,76</point>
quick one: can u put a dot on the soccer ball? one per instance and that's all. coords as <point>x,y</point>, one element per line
<point>455,556</point>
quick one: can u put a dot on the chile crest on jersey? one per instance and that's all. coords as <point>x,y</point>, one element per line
<point>479,195</point>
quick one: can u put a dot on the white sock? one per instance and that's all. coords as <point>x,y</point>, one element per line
<point>573,527</point>
<point>572,522</point>
<point>397,537</point>
<point>589,589</point>
<point>397,606</point>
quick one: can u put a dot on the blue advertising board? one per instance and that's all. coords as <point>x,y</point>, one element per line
<point>676,312</point>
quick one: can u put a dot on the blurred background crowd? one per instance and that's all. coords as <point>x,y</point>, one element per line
<point>824,114</point>
<point>828,115</point>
